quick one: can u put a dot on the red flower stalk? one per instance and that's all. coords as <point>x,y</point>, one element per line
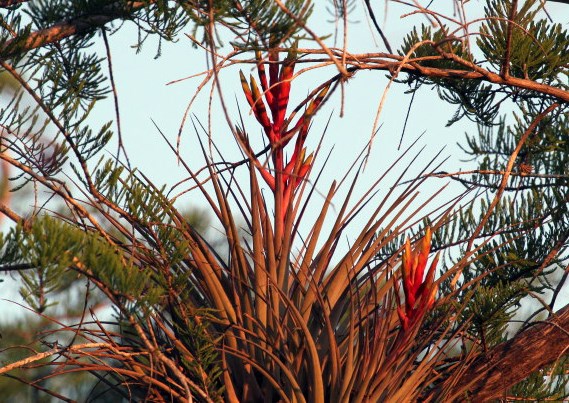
<point>273,95</point>
<point>419,293</point>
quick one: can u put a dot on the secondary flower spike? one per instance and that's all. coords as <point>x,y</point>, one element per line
<point>419,293</point>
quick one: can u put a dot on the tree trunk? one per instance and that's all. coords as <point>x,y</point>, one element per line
<point>492,374</point>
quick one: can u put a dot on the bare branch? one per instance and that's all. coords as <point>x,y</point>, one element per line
<point>377,27</point>
<point>49,353</point>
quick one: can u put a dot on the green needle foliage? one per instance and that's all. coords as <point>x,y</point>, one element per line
<point>536,49</point>
<point>131,299</point>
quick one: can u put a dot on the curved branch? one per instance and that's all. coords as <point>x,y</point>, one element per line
<point>397,63</point>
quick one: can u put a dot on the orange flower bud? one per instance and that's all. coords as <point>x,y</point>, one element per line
<point>246,89</point>
<point>259,107</point>
<point>263,78</point>
<point>419,293</point>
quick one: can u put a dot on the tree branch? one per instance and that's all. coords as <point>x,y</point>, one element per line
<point>492,374</point>
<point>8,3</point>
<point>49,353</point>
<point>505,177</point>
<point>67,29</point>
<point>392,62</point>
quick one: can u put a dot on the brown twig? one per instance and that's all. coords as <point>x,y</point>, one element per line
<point>49,353</point>
<point>505,69</point>
<point>120,146</point>
<point>12,215</point>
<point>508,172</point>
<point>377,27</point>
<point>341,68</point>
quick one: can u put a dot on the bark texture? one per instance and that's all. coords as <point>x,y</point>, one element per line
<point>492,374</point>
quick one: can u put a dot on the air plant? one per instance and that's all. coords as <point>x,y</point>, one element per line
<point>419,293</point>
<point>285,316</point>
<point>320,326</point>
<point>294,307</point>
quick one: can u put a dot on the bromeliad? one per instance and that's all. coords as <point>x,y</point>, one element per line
<point>419,293</point>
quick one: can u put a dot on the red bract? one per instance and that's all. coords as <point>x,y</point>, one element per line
<point>284,177</point>
<point>419,294</point>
